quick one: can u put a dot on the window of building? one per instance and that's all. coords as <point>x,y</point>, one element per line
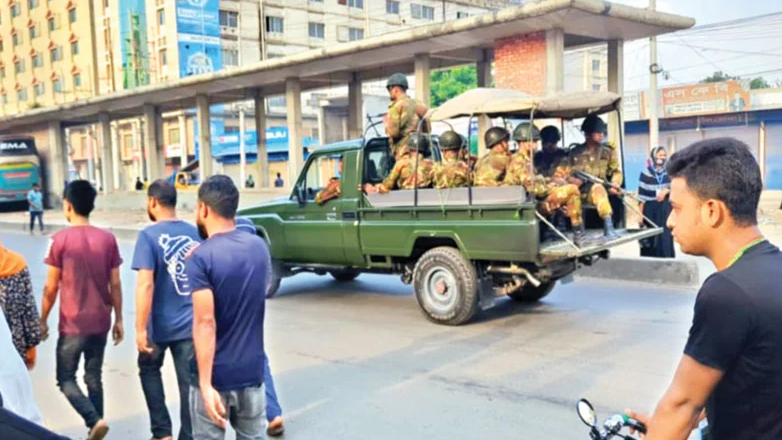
<point>72,15</point>
<point>161,17</point>
<point>595,65</point>
<point>462,15</point>
<point>230,57</point>
<point>32,4</point>
<point>229,19</point>
<point>1,45</point>
<point>392,7</point>
<point>274,25</point>
<point>356,4</point>
<point>37,61</point>
<point>596,87</point>
<point>57,85</point>
<point>21,95</point>
<point>317,30</point>
<point>422,12</point>
<point>277,101</point>
<point>163,57</point>
<point>17,39</point>
<point>270,56</point>
<point>54,24</point>
<point>127,146</point>
<point>39,89</point>
<point>75,48</point>
<point>19,66</point>
<point>356,34</point>
<point>76,80</point>
<point>56,54</point>
<point>16,10</point>
<point>2,72</point>
<point>34,32</point>
<point>5,98</point>
<point>173,135</point>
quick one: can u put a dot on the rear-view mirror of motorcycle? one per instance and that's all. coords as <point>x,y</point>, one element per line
<point>587,413</point>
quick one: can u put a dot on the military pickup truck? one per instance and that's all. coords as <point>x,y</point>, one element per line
<point>460,248</point>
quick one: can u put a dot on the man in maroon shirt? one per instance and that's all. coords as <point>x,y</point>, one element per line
<point>84,267</point>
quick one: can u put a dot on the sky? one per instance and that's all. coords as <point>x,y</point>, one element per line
<point>745,51</point>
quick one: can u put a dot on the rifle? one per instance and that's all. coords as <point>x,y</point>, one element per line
<point>594,179</point>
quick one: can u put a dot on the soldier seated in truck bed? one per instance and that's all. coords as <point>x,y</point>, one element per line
<point>411,169</point>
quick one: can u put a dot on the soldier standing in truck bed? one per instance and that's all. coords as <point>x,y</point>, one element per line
<point>452,172</point>
<point>404,114</point>
<point>600,160</point>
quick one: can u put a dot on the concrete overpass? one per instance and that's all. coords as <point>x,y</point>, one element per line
<point>565,24</point>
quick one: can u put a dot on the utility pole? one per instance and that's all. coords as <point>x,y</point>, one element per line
<point>242,146</point>
<point>654,123</point>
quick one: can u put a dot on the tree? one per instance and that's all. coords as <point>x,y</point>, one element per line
<point>445,84</point>
<point>718,76</point>
<point>759,83</point>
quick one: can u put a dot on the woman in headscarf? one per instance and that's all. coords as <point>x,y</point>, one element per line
<point>18,304</point>
<point>653,190</point>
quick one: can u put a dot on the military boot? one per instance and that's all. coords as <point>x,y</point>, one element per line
<point>579,235</point>
<point>609,232</point>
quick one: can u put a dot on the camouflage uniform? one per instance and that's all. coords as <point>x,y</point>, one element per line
<point>602,163</point>
<point>403,117</point>
<point>546,163</point>
<point>491,168</point>
<point>403,175</point>
<point>551,195</point>
<point>331,191</point>
<point>451,173</point>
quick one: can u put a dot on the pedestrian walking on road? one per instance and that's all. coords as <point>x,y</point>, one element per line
<point>35,200</point>
<point>275,426</point>
<point>228,274</point>
<point>84,268</point>
<point>164,308</point>
<point>18,305</point>
<point>654,188</point>
<point>731,368</point>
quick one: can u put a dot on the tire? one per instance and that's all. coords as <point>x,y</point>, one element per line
<point>532,294</point>
<point>345,275</point>
<point>275,278</point>
<point>459,302</point>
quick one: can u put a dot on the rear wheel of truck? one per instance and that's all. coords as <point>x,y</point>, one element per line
<point>275,278</point>
<point>531,294</point>
<point>446,286</point>
<point>344,275</point>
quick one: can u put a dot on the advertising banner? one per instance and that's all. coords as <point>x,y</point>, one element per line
<point>699,99</point>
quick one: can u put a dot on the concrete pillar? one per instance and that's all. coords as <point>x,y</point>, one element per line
<point>355,106</point>
<point>262,158</point>
<point>295,147</point>
<point>423,67</point>
<point>182,122</point>
<point>57,171</point>
<point>204,137</point>
<point>555,61</point>
<point>762,133</point>
<point>484,80</point>
<point>616,85</point>
<point>152,142</point>
<point>160,151</point>
<point>107,159</point>
<point>116,158</point>
<point>321,125</point>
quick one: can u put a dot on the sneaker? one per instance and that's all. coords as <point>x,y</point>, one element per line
<point>99,431</point>
<point>275,428</point>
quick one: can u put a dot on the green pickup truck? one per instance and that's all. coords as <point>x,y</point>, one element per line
<point>460,248</point>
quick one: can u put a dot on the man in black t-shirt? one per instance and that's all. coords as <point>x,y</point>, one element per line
<point>731,370</point>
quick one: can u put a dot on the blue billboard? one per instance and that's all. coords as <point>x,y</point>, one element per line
<point>133,43</point>
<point>225,147</point>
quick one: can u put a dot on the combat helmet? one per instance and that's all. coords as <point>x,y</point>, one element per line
<point>495,135</point>
<point>522,133</point>
<point>397,79</point>
<point>593,124</point>
<point>418,142</point>
<point>451,140</point>
<point>550,133</point>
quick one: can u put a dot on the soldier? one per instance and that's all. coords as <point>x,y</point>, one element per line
<point>333,189</point>
<point>599,159</point>
<point>453,172</point>
<point>551,156</point>
<point>404,114</point>
<point>551,195</point>
<point>404,175</point>
<point>490,169</point>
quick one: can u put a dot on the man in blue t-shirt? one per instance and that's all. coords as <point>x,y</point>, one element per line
<point>35,200</point>
<point>227,274</point>
<point>164,308</point>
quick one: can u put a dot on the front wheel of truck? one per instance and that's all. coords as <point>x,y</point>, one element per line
<point>531,294</point>
<point>446,286</point>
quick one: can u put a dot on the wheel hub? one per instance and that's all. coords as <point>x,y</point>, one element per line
<point>440,289</point>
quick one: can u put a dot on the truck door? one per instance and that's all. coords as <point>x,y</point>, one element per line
<point>312,231</point>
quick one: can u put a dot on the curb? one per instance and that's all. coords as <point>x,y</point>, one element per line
<point>671,273</point>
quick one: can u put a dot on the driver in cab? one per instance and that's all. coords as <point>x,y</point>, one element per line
<point>333,189</point>
<point>731,369</point>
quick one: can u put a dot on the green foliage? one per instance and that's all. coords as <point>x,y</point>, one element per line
<point>445,84</point>
<point>720,76</point>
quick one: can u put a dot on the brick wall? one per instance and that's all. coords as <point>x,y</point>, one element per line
<point>520,63</point>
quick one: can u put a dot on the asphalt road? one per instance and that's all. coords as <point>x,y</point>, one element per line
<point>359,361</point>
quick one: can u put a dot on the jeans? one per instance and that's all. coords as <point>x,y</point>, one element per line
<point>152,383</point>
<point>33,215</point>
<point>244,411</point>
<point>273,409</point>
<point>69,351</point>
